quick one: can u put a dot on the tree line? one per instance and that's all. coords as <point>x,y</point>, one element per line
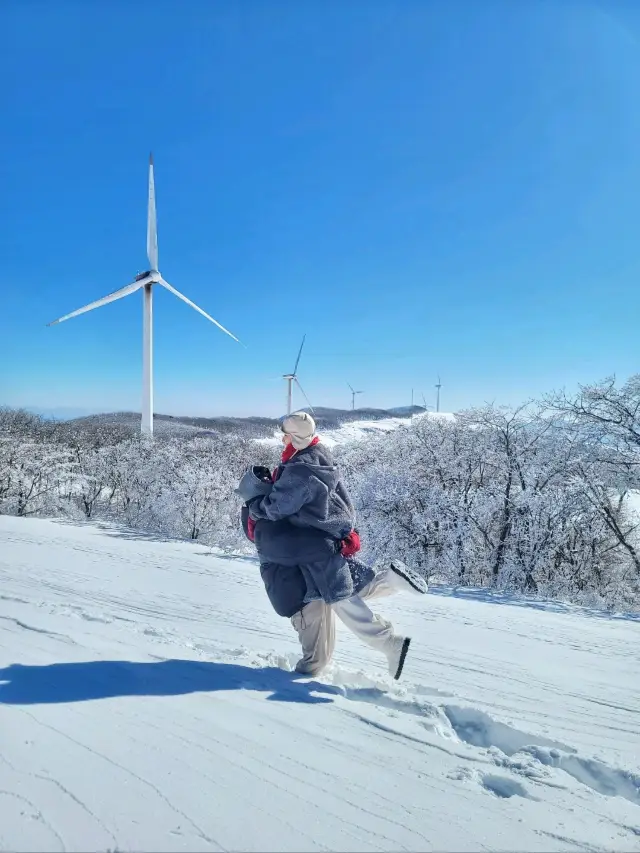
<point>537,499</point>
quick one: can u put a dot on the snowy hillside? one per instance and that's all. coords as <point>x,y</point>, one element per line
<point>146,704</point>
<point>260,427</point>
<point>358,430</point>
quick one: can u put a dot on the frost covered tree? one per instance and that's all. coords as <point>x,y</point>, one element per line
<point>32,467</point>
<point>529,500</point>
<point>605,420</point>
<point>196,495</point>
<point>497,498</point>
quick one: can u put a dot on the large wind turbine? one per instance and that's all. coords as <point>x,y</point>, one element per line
<point>290,378</point>
<point>353,397</point>
<point>145,281</point>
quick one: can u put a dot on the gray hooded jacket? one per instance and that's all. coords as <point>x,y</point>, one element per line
<point>301,520</point>
<point>309,492</point>
<point>289,587</point>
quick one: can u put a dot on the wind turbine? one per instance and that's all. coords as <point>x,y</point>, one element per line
<point>290,378</point>
<point>145,281</point>
<point>438,386</point>
<point>353,397</point>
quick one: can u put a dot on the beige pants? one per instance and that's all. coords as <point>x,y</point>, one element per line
<point>316,628</point>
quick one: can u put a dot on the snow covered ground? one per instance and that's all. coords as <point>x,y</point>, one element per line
<point>359,430</point>
<point>633,503</point>
<point>146,704</point>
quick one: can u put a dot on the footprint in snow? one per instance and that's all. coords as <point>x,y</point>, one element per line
<point>504,787</point>
<point>531,755</point>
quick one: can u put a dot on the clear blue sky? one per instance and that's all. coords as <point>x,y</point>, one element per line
<point>421,187</point>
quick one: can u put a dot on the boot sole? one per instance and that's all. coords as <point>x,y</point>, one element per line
<point>408,579</point>
<point>403,655</point>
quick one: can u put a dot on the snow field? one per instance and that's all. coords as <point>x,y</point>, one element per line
<point>147,703</point>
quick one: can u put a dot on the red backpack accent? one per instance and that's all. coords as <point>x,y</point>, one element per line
<point>351,544</point>
<point>251,529</point>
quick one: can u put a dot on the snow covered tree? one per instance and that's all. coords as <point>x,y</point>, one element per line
<point>498,498</point>
<point>533,500</point>
<point>32,468</point>
<point>605,420</point>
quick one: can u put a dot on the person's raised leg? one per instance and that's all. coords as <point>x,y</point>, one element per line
<point>392,578</point>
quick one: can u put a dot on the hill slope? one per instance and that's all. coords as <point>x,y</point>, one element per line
<point>327,419</point>
<point>145,704</point>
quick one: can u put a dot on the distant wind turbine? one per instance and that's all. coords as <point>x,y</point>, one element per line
<point>438,386</point>
<point>290,378</point>
<point>145,281</point>
<point>353,397</point>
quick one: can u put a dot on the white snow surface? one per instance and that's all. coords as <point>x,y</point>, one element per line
<point>360,430</point>
<point>633,503</point>
<point>146,703</point>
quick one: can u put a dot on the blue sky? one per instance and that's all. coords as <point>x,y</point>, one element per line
<point>422,187</point>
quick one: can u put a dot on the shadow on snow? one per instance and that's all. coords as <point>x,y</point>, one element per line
<point>59,683</point>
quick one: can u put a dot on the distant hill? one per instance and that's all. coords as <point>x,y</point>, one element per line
<point>327,418</point>
<point>186,425</point>
<point>252,427</point>
<point>407,411</point>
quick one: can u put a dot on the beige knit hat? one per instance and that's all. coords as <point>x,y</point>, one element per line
<point>301,427</point>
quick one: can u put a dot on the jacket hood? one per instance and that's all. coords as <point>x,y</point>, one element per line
<point>319,462</point>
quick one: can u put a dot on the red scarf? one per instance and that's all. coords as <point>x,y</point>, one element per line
<point>289,452</point>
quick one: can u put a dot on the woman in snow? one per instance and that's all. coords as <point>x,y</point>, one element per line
<point>303,519</point>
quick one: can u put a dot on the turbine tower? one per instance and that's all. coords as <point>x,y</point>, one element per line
<point>145,281</point>
<point>353,397</point>
<point>438,386</point>
<point>290,378</point>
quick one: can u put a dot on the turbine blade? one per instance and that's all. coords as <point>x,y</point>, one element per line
<point>351,389</point>
<point>199,310</point>
<point>295,369</point>
<point>111,297</point>
<point>303,394</point>
<point>152,226</point>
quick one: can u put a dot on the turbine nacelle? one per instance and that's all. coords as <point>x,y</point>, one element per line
<point>149,277</point>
